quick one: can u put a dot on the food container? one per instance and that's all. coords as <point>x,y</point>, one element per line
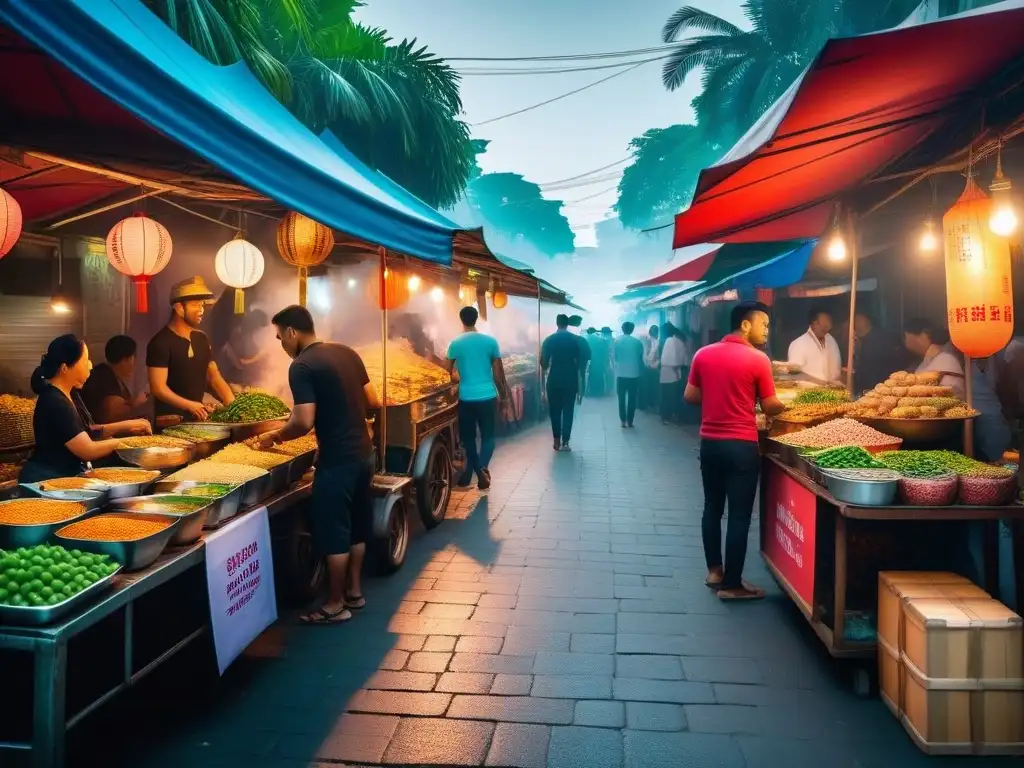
<point>258,489</point>
<point>929,491</point>
<point>188,530</point>
<point>810,469</point>
<point>158,457</point>
<point>94,498</point>
<point>220,509</point>
<point>861,493</point>
<point>241,432</point>
<point>916,430</point>
<point>122,490</point>
<point>280,478</point>
<point>133,555</point>
<point>300,465</point>
<point>13,535</point>
<point>29,616</point>
<point>987,491</point>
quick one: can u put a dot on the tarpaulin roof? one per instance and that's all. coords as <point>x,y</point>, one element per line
<point>862,104</point>
<point>688,266</point>
<point>150,78</point>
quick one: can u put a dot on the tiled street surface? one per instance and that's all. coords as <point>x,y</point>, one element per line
<point>560,620</point>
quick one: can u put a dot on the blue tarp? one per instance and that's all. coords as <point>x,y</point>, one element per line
<point>227,117</point>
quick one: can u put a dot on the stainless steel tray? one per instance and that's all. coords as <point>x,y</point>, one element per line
<point>241,432</point>
<point>189,529</point>
<point>299,465</point>
<point>123,490</point>
<point>157,457</point>
<point>133,555</point>
<point>37,617</point>
<point>220,509</point>
<point>258,489</point>
<point>862,493</point>
<point>14,536</point>
<point>93,499</point>
<point>280,478</point>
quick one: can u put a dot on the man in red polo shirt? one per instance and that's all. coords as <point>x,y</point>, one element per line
<point>727,380</point>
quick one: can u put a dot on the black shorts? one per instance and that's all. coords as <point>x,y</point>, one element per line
<point>341,512</point>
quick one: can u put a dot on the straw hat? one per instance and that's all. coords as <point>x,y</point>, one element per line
<point>191,289</point>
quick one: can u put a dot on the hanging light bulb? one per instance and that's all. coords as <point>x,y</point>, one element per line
<point>59,302</point>
<point>929,242</point>
<point>1003,220</point>
<point>437,294</point>
<point>414,283</point>
<point>351,283</point>
<point>837,247</point>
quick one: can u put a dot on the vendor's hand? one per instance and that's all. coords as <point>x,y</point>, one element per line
<point>140,427</point>
<point>197,411</point>
<point>269,439</point>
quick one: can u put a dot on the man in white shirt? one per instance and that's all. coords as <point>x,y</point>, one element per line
<point>673,360</point>
<point>816,352</point>
<point>648,399</point>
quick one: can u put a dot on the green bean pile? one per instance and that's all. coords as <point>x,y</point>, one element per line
<point>821,396</point>
<point>967,467</point>
<point>250,407</point>
<point>845,457</point>
<point>919,464</point>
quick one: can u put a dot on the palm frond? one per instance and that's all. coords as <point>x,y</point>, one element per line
<point>203,24</point>
<point>689,17</point>
<point>700,52</point>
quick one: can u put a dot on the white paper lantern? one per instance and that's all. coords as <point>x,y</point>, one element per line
<point>10,222</point>
<point>139,247</point>
<point>239,265</point>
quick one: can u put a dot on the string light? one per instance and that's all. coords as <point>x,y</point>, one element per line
<point>837,247</point>
<point>929,242</point>
<point>1003,220</point>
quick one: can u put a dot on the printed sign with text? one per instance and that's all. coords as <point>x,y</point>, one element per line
<point>790,515</point>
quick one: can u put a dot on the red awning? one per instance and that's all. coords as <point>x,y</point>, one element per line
<point>691,270</point>
<point>863,103</point>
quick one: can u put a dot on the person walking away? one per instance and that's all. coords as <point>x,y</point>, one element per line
<point>928,342</point>
<point>727,380</point>
<point>561,364</point>
<point>628,352</point>
<point>608,361</point>
<point>575,326</point>
<point>476,358</point>
<point>876,354</point>
<point>106,395</point>
<point>673,358</point>
<point>652,366</point>
<point>333,395</point>
<point>816,351</point>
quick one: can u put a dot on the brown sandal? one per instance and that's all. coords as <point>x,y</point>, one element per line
<point>746,592</point>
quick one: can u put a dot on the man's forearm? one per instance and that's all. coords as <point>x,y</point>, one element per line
<point>293,429</point>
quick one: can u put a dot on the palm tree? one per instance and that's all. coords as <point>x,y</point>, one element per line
<point>395,105</point>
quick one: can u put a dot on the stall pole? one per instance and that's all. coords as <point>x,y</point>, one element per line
<point>540,372</point>
<point>382,302</point>
<point>854,245</point>
<point>969,423</point>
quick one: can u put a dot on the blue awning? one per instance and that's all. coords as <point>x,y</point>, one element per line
<point>224,115</point>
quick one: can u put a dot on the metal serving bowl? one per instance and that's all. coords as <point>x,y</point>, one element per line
<point>192,523</point>
<point>158,457</point>
<point>241,432</point>
<point>93,498</point>
<point>32,616</point>
<point>122,490</point>
<point>13,535</point>
<point>220,509</point>
<point>133,555</point>
<point>916,430</point>
<point>862,493</point>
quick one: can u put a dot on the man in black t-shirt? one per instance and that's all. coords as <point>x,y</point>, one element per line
<point>561,362</point>
<point>332,394</point>
<point>180,359</point>
<point>105,394</point>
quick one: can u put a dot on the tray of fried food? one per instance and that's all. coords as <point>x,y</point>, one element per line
<point>805,414</point>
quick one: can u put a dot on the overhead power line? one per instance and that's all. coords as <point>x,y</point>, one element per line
<point>582,182</point>
<point>559,97</point>
<point>494,72</point>
<point>590,197</point>
<point>570,56</point>
<point>556,182</point>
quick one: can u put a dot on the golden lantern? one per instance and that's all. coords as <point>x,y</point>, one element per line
<point>979,288</point>
<point>467,293</point>
<point>139,248</point>
<point>499,299</point>
<point>395,292</point>
<point>303,243</point>
<point>239,265</point>
<point>10,222</point>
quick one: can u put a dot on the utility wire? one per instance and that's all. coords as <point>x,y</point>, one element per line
<point>590,197</point>
<point>570,56</point>
<point>556,182</point>
<point>582,182</point>
<point>493,72</point>
<point>560,97</point>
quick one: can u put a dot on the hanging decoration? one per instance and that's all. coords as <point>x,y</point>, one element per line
<point>10,222</point>
<point>303,243</point>
<point>467,293</point>
<point>139,247</point>
<point>393,294</point>
<point>239,265</point>
<point>979,288</point>
<point>1003,219</point>
<point>499,299</point>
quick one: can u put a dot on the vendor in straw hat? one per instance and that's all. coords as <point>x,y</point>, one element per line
<point>179,357</point>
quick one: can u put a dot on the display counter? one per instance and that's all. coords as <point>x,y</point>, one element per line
<point>826,554</point>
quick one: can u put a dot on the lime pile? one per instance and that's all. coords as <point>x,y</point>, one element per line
<point>46,575</point>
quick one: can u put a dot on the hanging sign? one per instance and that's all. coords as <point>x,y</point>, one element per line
<point>240,580</point>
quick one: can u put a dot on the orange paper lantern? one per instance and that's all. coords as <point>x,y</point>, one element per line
<point>139,248</point>
<point>979,288</point>
<point>10,223</point>
<point>303,243</point>
<point>499,299</point>
<point>395,292</point>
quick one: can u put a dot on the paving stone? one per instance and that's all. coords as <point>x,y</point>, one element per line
<point>600,714</point>
<point>464,682</point>
<point>646,749</point>
<point>495,663</point>
<point>498,601</point>
<point>590,643</point>
<point>668,691</point>
<point>440,644</point>
<point>572,686</point>
<point>394,660</point>
<point>401,681</point>
<point>446,611</point>
<point>724,718</point>
<point>512,709</point>
<point>439,742</point>
<point>409,607</point>
<point>425,661</point>
<point>478,644</point>
<point>559,663</point>
<point>399,703</point>
<point>360,738</point>
<point>578,747</point>
<point>708,669</point>
<point>518,745</point>
<point>650,667</point>
<point>648,716</point>
<point>443,596</point>
<point>683,645</point>
<point>512,685</point>
<point>523,640</point>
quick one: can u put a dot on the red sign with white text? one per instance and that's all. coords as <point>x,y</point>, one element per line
<point>789,520</point>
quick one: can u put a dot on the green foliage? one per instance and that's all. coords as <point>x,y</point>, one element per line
<point>515,207</point>
<point>394,104</point>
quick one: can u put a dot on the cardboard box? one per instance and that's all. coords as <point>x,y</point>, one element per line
<point>893,592</point>
<point>890,682</point>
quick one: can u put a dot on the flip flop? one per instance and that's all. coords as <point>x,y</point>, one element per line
<point>323,618</point>
<point>713,583</point>
<point>746,592</point>
<point>355,602</point>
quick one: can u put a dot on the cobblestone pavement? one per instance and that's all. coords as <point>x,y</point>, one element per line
<point>559,620</point>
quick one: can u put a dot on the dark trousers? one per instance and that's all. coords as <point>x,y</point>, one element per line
<point>561,408</point>
<point>649,387</point>
<point>671,401</point>
<point>474,415</point>
<point>729,470</point>
<point>626,389</point>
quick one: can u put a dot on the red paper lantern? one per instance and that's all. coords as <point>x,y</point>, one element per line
<point>979,286</point>
<point>10,223</point>
<point>139,247</point>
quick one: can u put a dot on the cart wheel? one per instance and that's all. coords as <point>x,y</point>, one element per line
<point>389,553</point>
<point>304,572</point>
<point>434,488</point>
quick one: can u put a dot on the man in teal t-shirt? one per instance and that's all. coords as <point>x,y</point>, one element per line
<point>477,360</point>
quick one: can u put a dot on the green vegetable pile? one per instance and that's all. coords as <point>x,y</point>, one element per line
<point>46,575</point>
<point>249,407</point>
<point>920,464</point>
<point>845,457</point>
<point>194,433</point>
<point>967,467</point>
<point>821,396</point>
<point>209,491</point>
